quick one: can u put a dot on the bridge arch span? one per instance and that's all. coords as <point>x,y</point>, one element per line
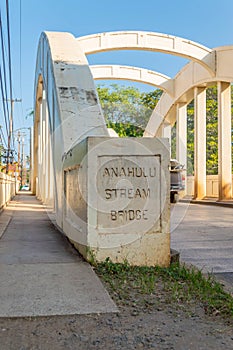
<point>190,76</point>
<point>132,73</point>
<point>149,41</point>
<point>66,109</point>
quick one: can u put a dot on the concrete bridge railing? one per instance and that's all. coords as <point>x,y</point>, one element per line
<point>212,186</point>
<point>8,189</point>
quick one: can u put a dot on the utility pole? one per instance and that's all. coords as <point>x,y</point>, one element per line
<point>10,131</point>
<point>22,163</point>
<point>18,139</point>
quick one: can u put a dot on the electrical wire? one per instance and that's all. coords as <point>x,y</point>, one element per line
<point>9,48</point>
<point>10,76</point>
<point>4,76</point>
<point>3,137</point>
<point>20,60</point>
<point>4,106</point>
<point>20,47</point>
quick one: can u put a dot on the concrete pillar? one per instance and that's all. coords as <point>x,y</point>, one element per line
<point>199,142</point>
<point>181,134</point>
<point>51,177</point>
<point>224,141</point>
<point>39,177</point>
<point>43,148</point>
<point>34,153</point>
<point>181,137</point>
<point>167,134</point>
<point>46,161</point>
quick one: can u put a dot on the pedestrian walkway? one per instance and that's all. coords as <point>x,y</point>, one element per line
<point>40,272</point>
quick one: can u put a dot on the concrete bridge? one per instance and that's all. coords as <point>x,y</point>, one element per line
<point>71,143</point>
<point>110,196</point>
<point>68,115</point>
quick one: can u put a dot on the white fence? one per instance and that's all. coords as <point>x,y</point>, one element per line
<point>8,188</point>
<point>211,186</point>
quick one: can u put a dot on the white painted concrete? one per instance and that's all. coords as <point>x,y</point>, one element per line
<point>8,188</point>
<point>151,41</point>
<point>67,111</point>
<point>116,201</point>
<point>225,141</point>
<point>140,75</point>
<point>199,143</point>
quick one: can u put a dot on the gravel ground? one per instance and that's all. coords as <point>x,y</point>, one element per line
<point>152,326</point>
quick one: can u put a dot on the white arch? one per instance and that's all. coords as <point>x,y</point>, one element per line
<point>192,75</point>
<point>138,74</point>
<point>63,70</point>
<point>67,108</point>
<point>150,41</point>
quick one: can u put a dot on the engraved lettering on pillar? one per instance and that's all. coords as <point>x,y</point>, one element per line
<point>129,193</point>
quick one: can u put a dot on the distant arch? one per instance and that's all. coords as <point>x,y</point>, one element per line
<point>190,76</point>
<point>137,74</point>
<point>149,41</point>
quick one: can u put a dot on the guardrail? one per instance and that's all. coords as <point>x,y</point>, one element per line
<point>8,188</point>
<point>211,186</point>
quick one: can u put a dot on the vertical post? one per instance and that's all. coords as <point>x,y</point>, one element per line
<point>9,136</point>
<point>181,137</point>
<point>199,142</point>
<point>224,141</point>
<point>181,133</point>
<point>22,162</point>
<point>30,156</point>
<point>167,133</point>
<point>18,139</point>
<point>10,132</point>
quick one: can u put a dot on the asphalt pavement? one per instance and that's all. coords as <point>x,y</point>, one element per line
<point>203,235</point>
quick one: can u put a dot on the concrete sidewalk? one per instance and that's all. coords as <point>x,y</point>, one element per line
<point>40,272</point>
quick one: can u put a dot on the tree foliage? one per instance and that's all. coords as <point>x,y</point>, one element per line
<point>127,111</point>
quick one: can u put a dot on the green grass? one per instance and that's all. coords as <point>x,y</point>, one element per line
<point>177,285</point>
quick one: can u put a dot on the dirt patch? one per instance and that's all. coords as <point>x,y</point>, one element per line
<point>147,319</point>
<point>156,328</point>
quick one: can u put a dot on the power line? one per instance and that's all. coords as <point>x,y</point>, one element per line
<point>9,48</point>
<point>20,46</point>
<point>4,76</point>
<point>9,64</point>
<point>10,86</point>
<point>20,58</point>
<point>3,137</point>
<point>4,106</point>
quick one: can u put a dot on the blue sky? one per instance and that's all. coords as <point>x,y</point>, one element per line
<point>207,22</point>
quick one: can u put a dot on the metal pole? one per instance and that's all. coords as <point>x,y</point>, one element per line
<point>18,153</point>
<point>10,132</point>
<point>30,155</point>
<point>22,162</point>
<point>9,137</point>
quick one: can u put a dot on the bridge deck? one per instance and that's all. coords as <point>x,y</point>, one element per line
<point>40,272</point>
<point>204,237</point>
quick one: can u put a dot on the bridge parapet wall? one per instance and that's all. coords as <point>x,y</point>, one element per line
<point>212,186</point>
<point>8,188</point>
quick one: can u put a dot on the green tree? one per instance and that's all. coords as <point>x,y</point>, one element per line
<point>126,109</point>
<point>190,138</point>
<point>150,99</point>
<point>211,131</point>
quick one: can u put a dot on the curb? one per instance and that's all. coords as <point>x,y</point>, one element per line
<point>208,202</point>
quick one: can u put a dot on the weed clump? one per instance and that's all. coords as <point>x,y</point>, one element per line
<point>177,285</point>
